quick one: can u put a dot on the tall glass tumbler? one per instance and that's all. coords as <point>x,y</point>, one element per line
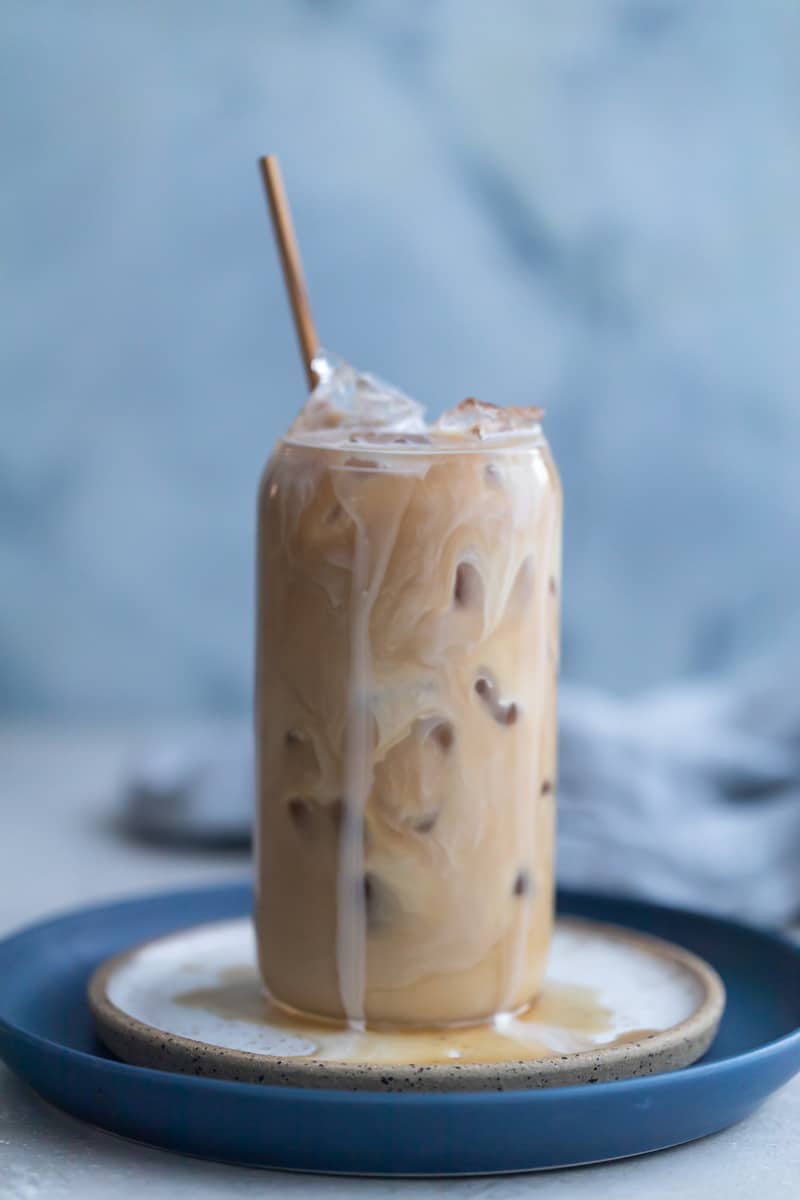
<point>407,661</point>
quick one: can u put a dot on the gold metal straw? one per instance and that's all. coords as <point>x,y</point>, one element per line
<point>290,262</point>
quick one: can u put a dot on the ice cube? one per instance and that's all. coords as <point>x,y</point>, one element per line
<point>347,399</point>
<point>481,420</point>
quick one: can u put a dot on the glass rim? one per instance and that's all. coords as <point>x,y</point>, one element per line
<point>365,442</point>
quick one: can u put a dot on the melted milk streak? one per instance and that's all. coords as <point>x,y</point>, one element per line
<point>528,807</point>
<point>351,917</point>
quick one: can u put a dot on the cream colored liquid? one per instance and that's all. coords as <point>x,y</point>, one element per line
<point>564,1019</point>
<point>405,709</point>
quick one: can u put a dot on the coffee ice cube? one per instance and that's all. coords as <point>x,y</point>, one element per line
<point>347,399</point>
<point>481,420</point>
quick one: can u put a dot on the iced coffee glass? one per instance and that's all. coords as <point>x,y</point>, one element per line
<point>407,656</point>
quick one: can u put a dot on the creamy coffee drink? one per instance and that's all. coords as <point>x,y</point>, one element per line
<point>407,656</point>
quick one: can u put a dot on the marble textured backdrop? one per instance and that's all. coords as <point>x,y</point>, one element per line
<point>586,203</point>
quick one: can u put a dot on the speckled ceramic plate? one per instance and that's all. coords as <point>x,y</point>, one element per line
<point>615,1004</point>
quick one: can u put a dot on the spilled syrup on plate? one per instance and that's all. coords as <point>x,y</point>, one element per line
<point>565,1019</point>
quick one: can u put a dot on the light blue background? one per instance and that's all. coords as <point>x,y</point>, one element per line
<point>592,204</point>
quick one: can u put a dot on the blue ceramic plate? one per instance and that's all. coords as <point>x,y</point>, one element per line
<point>46,1036</point>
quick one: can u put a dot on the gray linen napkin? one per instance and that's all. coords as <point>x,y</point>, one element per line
<point>689,795</point>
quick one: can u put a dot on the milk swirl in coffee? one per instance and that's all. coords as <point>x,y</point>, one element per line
<point>407,656</point>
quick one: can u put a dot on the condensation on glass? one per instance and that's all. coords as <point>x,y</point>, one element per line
<point>407,658</point>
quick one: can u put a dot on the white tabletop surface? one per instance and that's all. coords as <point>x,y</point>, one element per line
<point>58,848</point>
